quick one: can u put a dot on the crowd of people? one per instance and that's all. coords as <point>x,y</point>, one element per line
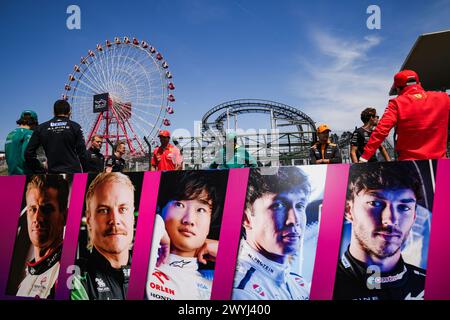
<point>63,146</point>
<point>420,119</point>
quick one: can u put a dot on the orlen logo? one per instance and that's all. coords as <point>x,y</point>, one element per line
<point>161,278</point>
<point>159,275</point>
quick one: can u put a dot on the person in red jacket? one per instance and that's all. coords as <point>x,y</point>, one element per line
<point>421,118</point>
<point>166,156</point>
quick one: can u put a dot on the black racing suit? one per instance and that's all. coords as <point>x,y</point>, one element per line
<point>95,161</point>
<point>330,151</point>
<point>354,280</point>
<point>360,137</point>
<point>99,280</point>
<point>117,164</point>
<point>63,143</point>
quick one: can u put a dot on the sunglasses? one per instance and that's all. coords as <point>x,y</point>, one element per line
<point>373,116</point>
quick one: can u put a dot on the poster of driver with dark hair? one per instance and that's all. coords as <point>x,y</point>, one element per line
<point>385,235</point>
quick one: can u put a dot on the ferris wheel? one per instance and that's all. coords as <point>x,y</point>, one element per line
<point>122,90</point>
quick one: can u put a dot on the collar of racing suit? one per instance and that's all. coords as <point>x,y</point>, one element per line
<point>96,151</point>
<point>276,271</point>
<point>169,147</point>
<point>45,263</point>
<point>103,264</point>
<point>394,278</point>
<point>411,89</point>
<point>185,263</point>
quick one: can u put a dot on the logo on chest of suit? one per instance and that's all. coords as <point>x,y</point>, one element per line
<point>101,285</point>
<point>179,264</point>
<point>43,281</point>
<point>58,124</point>
<point>162,278</point>
<point>41,286</point>
<point>259,290</point>
<point>420,296</point>
<point>202,286</point>
<point>299,281</point>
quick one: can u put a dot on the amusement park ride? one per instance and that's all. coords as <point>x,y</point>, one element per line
<point>122,90</point>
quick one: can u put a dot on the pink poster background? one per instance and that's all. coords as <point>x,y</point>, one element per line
<point>230,234</point>
<point>144,235</point>
<point>437,283</point>
<point>330,230</point>
<point>70,241</point>
<point>11,192</point>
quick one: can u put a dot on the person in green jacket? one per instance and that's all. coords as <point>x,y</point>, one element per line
<point>17,141</point>
<point>232,155</point>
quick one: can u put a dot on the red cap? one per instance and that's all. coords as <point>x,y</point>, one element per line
<point>405,78</point>
<point>164,133</point>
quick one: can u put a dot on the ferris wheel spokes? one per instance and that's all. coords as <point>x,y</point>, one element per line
<point>136,78</point>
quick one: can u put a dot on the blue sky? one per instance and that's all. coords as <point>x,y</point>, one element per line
<point>318,56</point>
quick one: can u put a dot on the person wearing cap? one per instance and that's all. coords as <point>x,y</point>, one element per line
<point>166,156</point>
<point>323,151</point>
<point>232,155</point>
<point>421,121</point>
<point>116,162</point>
<point>362,134</point>
<point>62,141</point>
<point>17,142</point>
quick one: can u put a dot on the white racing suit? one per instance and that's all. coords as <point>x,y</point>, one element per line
<point>178,279</point>
<point>41,276</point>
<point>258,278</point>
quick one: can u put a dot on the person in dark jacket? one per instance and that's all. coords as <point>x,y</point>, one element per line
<point>323,151</point>
<point>95,160</point>
<point>116,162</point>
<point>62,141</point>
<point>362,134</point>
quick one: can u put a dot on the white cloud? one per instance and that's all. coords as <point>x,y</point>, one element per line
<point>204,12</point>
<point>340,79</point>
